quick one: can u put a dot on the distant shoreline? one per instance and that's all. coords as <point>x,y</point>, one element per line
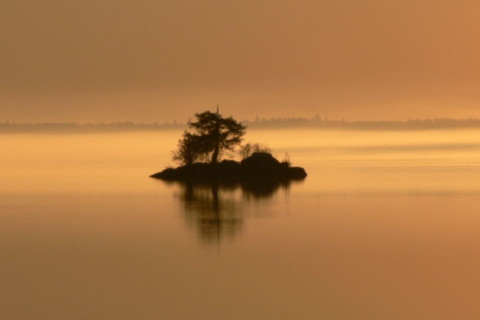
<point>275,123</point>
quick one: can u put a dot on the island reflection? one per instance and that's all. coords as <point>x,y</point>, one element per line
<point>216,211</point>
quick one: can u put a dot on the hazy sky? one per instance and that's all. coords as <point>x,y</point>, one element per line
<point>156,60</point>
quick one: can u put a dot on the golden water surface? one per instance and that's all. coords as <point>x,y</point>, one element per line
<point>386,226</point>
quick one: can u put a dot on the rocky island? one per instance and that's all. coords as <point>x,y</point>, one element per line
<point>260,166</point>
<point>199,151</point>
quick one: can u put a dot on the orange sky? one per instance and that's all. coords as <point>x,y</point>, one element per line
<point>147,60</point>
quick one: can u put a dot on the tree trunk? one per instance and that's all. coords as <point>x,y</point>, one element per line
<point>216,151</point>
<point>216,137</point>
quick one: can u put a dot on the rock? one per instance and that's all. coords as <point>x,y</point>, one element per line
<point>260,164</point>
<point>260,167</point>
<point>297,173</point>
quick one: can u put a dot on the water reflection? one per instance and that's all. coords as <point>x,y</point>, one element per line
<point>209,212</point>
<point>216,211</point>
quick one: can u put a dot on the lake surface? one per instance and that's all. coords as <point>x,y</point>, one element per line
<point>386,226</point>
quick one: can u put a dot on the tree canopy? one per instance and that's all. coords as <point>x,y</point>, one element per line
<point>210,134</point>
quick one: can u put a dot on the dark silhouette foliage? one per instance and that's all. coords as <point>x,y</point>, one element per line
<point>248,149</point>
<point>210,135</point>
<point>191,148</point>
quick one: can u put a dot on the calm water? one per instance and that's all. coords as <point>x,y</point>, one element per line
<point>386,226</point>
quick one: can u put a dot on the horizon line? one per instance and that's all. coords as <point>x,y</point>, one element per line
<point>256,120</point>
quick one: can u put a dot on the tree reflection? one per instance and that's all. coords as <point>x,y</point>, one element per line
<point>209,212</point>
<point>265,189</point>
<point>216,211</point>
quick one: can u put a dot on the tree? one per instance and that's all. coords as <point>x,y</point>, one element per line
<point>190,149</point>
<point>211,135</point>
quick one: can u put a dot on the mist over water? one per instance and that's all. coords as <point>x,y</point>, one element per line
<point>384,227</point>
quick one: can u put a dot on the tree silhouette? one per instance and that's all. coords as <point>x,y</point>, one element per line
<point>210,135</point>
<point>191,148</point>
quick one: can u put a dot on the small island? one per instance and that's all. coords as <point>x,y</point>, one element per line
<point>211,135</point>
